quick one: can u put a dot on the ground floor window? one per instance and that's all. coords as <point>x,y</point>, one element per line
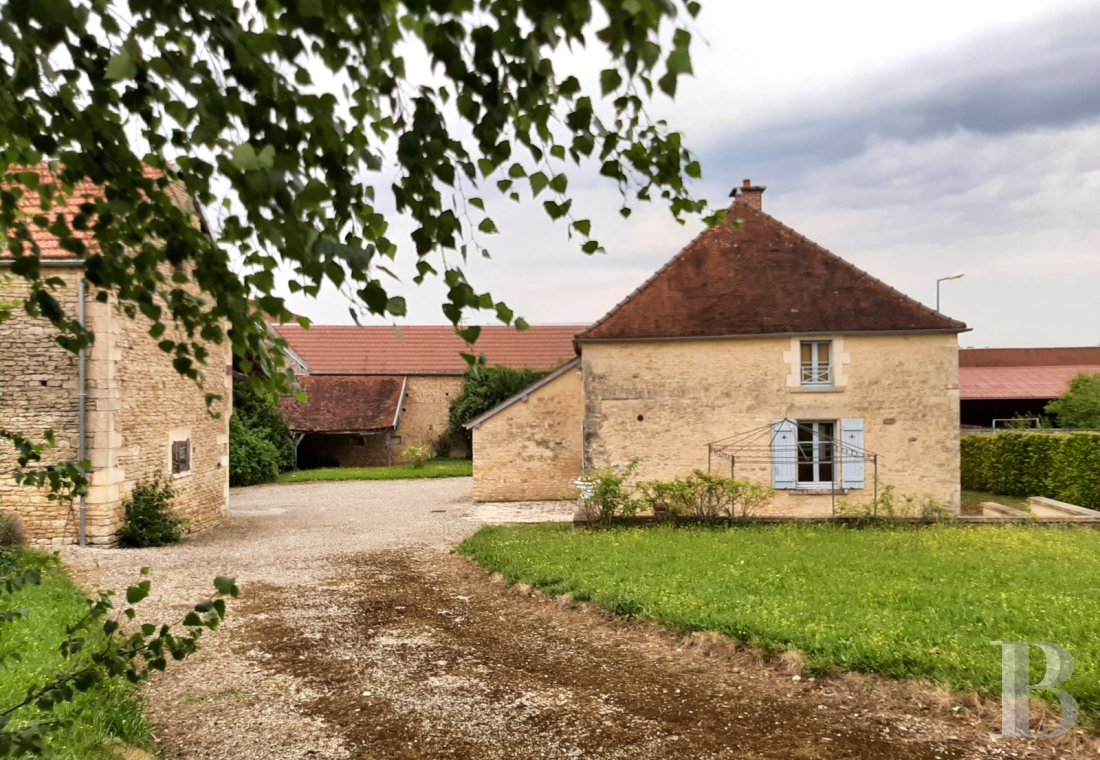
<point>816,452</point>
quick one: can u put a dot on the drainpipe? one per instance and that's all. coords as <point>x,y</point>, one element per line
<point>82,425</point>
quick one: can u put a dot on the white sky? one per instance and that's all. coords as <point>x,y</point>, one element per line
<point>914,140</point>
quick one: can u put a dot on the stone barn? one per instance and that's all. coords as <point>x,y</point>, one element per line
<point>120,405</point>
<point>753,352</point>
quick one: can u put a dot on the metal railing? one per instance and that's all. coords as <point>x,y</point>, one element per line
<point>816,373</point>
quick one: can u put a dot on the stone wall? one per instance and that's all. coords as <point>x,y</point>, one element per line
<point>38,392</point>
<point>532,449</point>
<point>425,413</point>
<point>137,406</point>
<point>662,402</point>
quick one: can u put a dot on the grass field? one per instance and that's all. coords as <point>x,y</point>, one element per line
<point>902,602</point>
<point>101,717</point>
<point>436,468</point>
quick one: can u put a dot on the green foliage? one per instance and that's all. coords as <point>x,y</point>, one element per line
<point>906,603</point>
<point>1079,407</point>
<point>11,530</point>
<point>71,663</point>
<point>483,388</point>
<point>149,517</point>
<point>256,409</point>
<point>416,456</point>
<point>887,506</point>
<point>253,459</point>
<point>605,494</point>
<point>436,468</point>
<point>1061,467</point>
<point>706,497</point>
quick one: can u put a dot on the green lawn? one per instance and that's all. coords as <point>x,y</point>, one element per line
<point>901,601</point>
<point>972,500</point>
<point>437,468</point>
<point>101,717</point>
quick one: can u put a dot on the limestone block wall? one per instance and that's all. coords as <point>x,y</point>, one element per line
<point>137,405</point>
<point>662,402</point>
<point>532,449</point>
<point>38,392</point>
<point>151,406</point>
<point>425,413</point>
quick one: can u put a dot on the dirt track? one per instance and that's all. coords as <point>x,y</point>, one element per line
<point>360,636</point>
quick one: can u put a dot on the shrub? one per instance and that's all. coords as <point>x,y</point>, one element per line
<point>483,388</point>
<point>706,496</point>
<point>1061,467</point>
<point>252,458</point>
<point>258,411</point>
<point>1079,407</point>
<point>605,495</point>
<point>149,517</point>
<point>11,531</point>
<point>417,456</point>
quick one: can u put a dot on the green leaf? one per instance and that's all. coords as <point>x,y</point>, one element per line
<point>120,66</point>
<point>244,157</point>
<point>610,80</point>
<point>226,586</point>
<point>488,226</point>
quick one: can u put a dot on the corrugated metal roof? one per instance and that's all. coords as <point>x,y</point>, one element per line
<point>425,350</point>
<point>1019,382</point>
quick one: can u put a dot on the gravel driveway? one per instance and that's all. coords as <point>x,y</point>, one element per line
<point>358,635</point>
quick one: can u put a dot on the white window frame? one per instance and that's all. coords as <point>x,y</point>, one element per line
<point>815,373</point>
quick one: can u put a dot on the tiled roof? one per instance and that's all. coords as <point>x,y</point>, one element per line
<point>1029,357</point>
<point>425,350</point>
<point>344,404</point>
<point>761,279</point>
<point>1019,382</point>
<point>84,191</point>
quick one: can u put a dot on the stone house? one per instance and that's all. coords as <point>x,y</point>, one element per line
<point>119,405</point>
<point>374,391</point>
<point>753,351</point>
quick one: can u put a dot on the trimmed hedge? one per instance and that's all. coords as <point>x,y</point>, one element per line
<point>1063,467</point>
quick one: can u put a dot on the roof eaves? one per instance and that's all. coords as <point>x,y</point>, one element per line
<point>522,395</point>
<point>746,336</point>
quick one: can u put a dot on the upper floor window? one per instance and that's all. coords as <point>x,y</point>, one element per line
<point>817,362</point>
<point>181,457</point>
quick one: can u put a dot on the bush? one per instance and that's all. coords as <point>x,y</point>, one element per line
<point>483,388</point>
<point>417,456</point>
<point>1061,467</point>
<point>252,458</point>
<point>11,531</point>
<point>1079,407</point>
<point>149,517</point>
<point>258,411</point>
<point>706,497</point>
<point>605,495</point>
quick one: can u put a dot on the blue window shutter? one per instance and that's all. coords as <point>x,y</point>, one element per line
<point>784,455</point>
<point>851,441</point>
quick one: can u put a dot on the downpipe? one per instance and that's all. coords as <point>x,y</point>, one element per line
<point>82,419</point>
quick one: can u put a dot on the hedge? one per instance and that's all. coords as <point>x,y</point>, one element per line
<point>1063,467</point>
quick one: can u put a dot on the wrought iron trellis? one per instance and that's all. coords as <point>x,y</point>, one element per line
<point>757,447</point>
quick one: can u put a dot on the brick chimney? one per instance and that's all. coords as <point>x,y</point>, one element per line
<point>749,194</point>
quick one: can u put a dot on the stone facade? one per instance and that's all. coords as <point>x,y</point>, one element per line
<point>532,449</point>
<point>137,408</point>
<point>662,402</point>
<point>425,414</point>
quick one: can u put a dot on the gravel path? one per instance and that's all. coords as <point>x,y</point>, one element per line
<point>358,635</point>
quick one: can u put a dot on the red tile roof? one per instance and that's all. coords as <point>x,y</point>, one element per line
<point>1029,357</point>
<point>1019,382</point>
<point>425,350</point>
<point>761,279</point>
<point>345,404</point>
<point>30,205</point>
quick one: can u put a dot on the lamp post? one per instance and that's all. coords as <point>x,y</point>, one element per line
<point>955,276</point>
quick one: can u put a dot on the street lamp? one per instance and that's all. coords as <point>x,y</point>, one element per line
<point>955,276</point>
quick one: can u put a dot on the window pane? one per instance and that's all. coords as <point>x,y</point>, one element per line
<point>823,353</point>
<point>807,352</point>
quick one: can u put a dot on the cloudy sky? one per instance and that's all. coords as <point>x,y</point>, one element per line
<point>915,140</point>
